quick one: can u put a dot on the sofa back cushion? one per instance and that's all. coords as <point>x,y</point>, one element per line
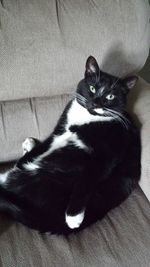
<point>44,44</point>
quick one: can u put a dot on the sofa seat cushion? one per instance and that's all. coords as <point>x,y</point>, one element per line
<point>121,239</point>
<point>44,44</point>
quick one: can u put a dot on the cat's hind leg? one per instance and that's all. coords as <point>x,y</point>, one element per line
<point>74,221</point>
<point>76,209</point>
<point>28,144</point>
<point>28,151</point>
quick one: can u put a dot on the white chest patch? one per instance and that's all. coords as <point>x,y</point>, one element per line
<point>77,115</point>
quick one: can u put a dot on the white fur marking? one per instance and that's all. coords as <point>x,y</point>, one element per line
<point>74,221</point>
<point>3,177</point>
<point>102,90</point>
<point>31,166</point>
<point>99,110</point>
<point>64,139</point>
<point>28,145</point>
<point>59,142</point>
<point>77,115</point>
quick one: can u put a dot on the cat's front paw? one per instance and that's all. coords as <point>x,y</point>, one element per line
<point>28,145</point>
<point>75,220</point>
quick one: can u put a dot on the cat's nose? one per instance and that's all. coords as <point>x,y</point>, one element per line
<point>96,100</point>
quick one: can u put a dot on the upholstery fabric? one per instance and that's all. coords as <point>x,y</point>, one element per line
<point>19,119</point>
<point>44,43</point>
<point>121,239</point>
<point>139,104</point>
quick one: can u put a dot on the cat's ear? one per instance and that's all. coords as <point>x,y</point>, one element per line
<point>130,81</point>
<point>92,69</point>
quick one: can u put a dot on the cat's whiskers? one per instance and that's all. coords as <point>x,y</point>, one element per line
<point>115,117</point>
<point>80,96</point>
<point>81,103</point>
<point>81,99</point>
<point>120,117</point>
<point>124,120</point>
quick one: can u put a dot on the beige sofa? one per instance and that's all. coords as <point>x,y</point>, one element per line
<point>43,48</point>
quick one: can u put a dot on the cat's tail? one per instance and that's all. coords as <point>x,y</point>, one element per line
<point>12,206</point>
<point>7,205</point>
<point>9,208</point>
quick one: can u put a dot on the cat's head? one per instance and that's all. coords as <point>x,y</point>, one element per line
<point>101,93</point>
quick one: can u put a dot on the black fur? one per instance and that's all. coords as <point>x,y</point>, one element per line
<point>72,179</point>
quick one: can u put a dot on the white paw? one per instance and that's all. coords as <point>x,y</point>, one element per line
<point>74,221</point>
<point>28,145</point>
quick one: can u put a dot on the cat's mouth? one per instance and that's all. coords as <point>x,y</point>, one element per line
<point>99,111</point>
<point>96,111</point>
<point>105,112</point>
<point>92,109</point>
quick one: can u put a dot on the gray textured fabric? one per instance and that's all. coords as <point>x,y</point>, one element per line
<point>23,118</point>
<point>121,239</point>
<point>44,43</point>
<point>139,103</point>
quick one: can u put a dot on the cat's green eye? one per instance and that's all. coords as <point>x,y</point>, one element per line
<point>110,97</point>
<point>92,89</point>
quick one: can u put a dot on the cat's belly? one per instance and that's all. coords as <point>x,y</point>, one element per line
<point>59,142</point>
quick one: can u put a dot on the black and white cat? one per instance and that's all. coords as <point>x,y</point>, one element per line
<point>87,166</point>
